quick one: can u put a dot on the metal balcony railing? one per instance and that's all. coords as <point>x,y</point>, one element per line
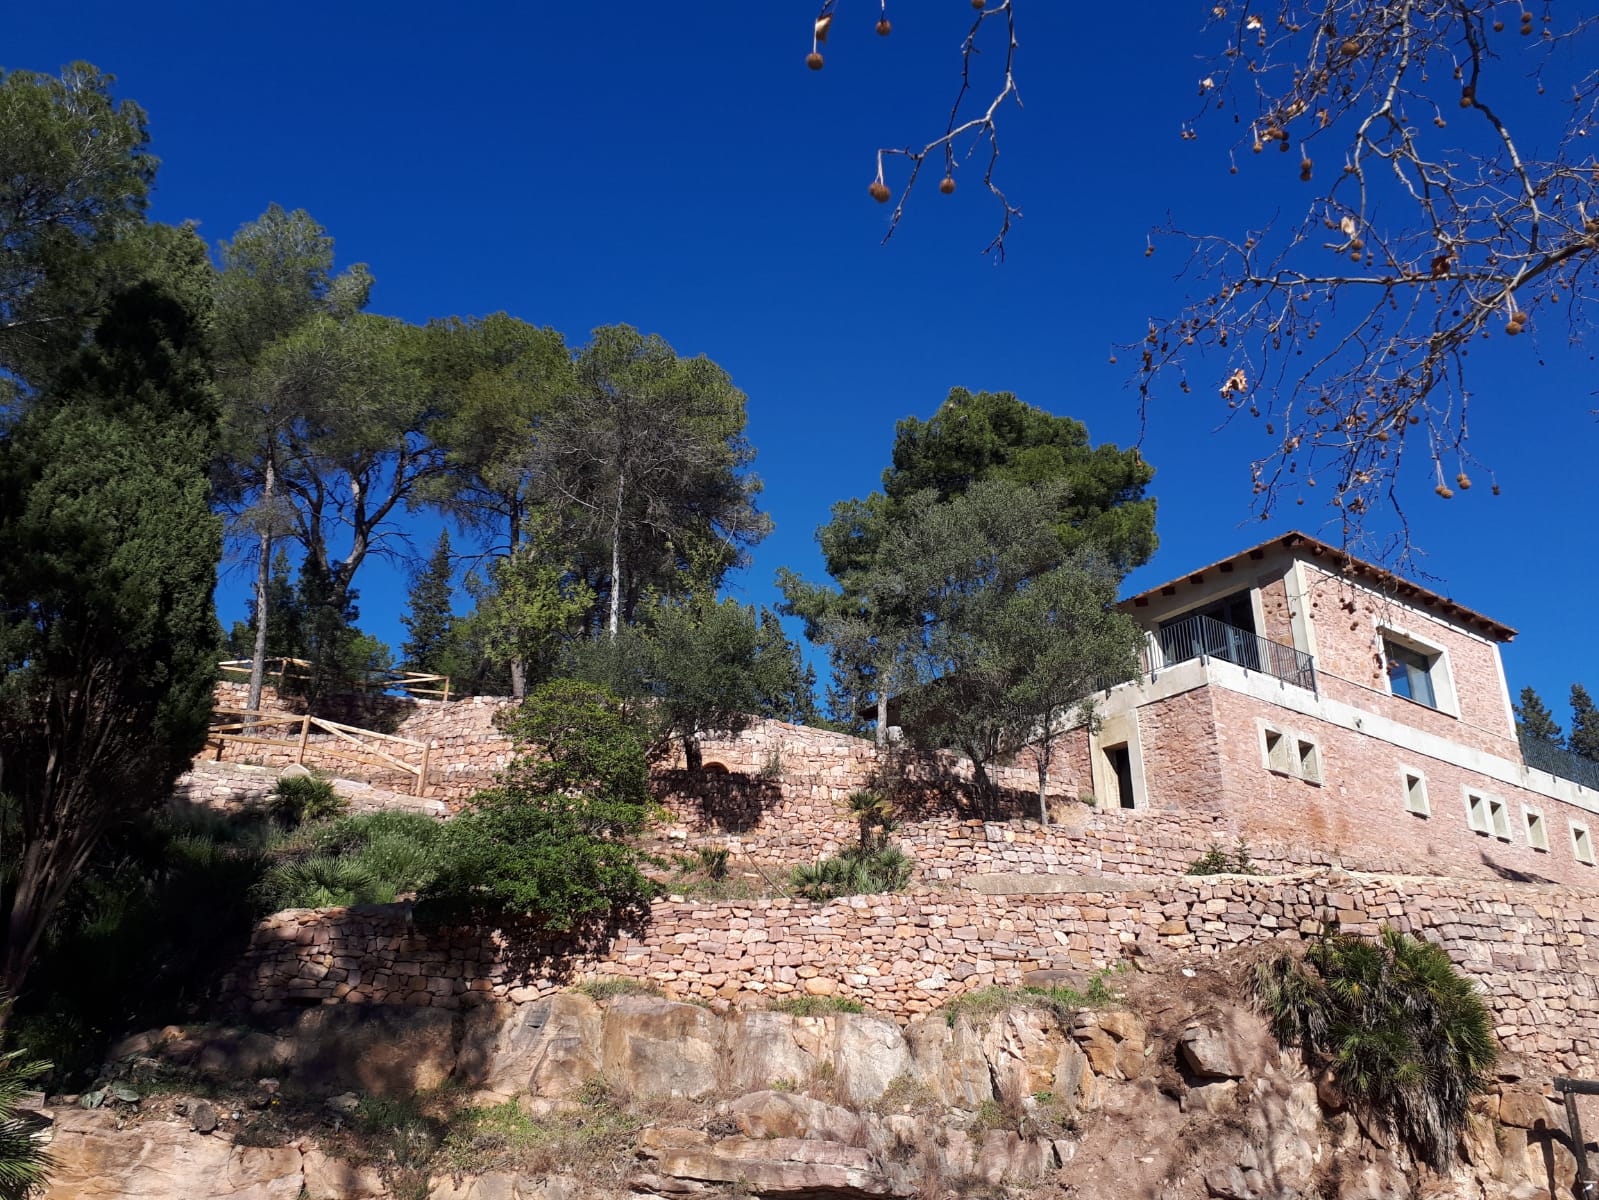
<point>1206,637</point>
<point>1560,762</point>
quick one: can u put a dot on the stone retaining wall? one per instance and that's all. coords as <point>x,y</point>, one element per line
<point>238,788</point>
<point>1532,947</point>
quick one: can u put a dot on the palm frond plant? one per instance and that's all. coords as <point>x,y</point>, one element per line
<point>1404,1035</point>
<point>24,1161</point>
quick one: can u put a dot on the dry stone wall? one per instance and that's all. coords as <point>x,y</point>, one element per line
<point>1532,948</point>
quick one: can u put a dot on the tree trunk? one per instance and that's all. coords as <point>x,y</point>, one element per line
<point>882,716</point>
<point>616,561</point>
<point>518,664</point>
<point>41,884</point>
<point>263,579</point>
<point>1043,786</point>
<point>691,752</point>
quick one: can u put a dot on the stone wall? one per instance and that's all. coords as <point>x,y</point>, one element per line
<point>1532,948</point>
<point>234,788</point>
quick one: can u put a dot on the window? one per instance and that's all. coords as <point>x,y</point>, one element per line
<point>1537,834</point>
<point>1477,812</point>
<point>1121,764</point>
<point>1410,673</point>
<point>1278,754</point>
<point>1499,818</point>
<point>1309,761</point>
<point>1581,843</point>
<point>1416,794</point>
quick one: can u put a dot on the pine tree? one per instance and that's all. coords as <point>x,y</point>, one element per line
<point>108,556</point>
<point>429,620</point>
<point>1584,739</point>
<point>1534,721</point>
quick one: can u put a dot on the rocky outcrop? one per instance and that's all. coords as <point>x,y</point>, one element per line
<point>99,1157</point>
<point>1180,1092</point>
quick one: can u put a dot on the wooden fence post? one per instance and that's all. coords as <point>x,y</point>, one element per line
<point>305,736</point>
<point>422,775</point>
<point>446,699</point>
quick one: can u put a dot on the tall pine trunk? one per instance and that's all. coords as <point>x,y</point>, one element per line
<point>263,579</point>
<point>518,663</point>
<point>616,559</point>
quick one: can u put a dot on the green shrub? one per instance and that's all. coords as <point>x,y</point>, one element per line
<point>816,1006</point>
<point>854,872</point>
<point>1407,1037</point>
<point>552,842</point>
<point>304,800</point>
<point>1216,861</point>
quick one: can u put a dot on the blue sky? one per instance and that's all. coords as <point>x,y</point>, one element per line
<point>677,168</point>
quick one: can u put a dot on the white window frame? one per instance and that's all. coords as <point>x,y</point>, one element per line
<point>1537,827</point>
<point>1499,818</point>
<point>1407,776</point>
<point>1439,672</point>
<point>1312,772</point>
<point>1477,818</point>
<point>1581,843</point>
<point>1276,750</point>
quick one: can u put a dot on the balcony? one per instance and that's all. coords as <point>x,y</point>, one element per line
<point>1204,638</point>
<point>1560,762</point>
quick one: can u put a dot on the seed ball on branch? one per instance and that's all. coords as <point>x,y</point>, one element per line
<point>879,191</point>
<point>884,28</point>
<point>980,3</point>
<point>813,60</point>
<point>947,184</point>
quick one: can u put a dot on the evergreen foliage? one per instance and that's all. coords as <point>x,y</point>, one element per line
<point>429,618</point>
<point>1406,1036</point>
<point>1100,500</point>
<point>1534,721</point>
<point>108,557</point>
<point>75,174</point>
<point>873,620</point>
<point>552,842</point>
<point>1584,738</point>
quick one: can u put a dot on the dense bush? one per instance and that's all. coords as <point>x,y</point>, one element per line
<point>552,841</point>
<point>1404,1034</point>
<point>854,872</point>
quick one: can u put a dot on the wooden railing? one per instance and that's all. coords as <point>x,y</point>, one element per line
<point>254,727</point>
<point>412,683</point>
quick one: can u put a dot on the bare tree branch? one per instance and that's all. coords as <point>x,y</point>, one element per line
<point>1347,331</point>
<point>972,130</point>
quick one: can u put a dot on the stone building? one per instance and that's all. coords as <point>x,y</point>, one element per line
<point>1321,700</point>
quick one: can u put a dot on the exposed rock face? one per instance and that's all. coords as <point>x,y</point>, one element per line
<point>1187,1098</point>
<point>551,1048</point>
<point>652,1047</point>
<point>161,1160</point>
